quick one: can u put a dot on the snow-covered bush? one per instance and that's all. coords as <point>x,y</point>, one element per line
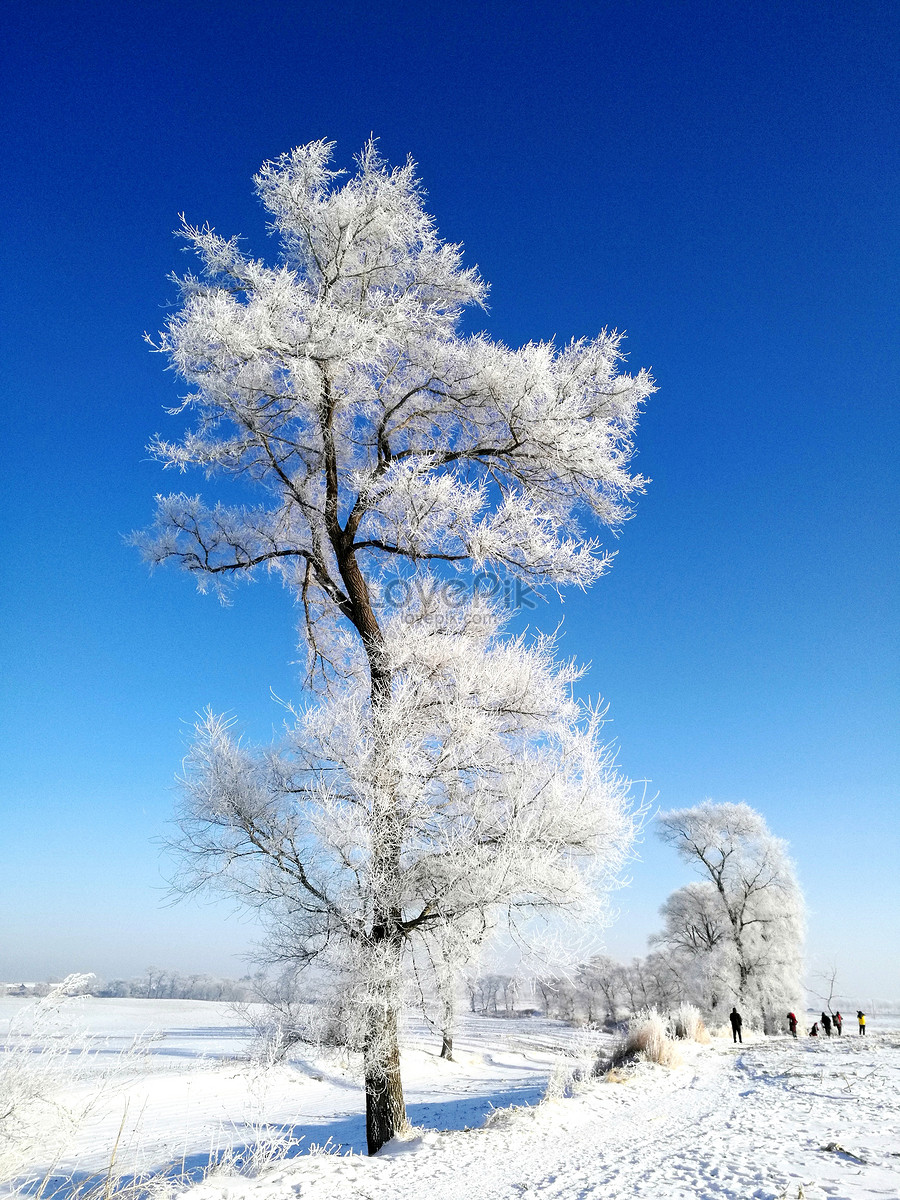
<point>687,1024</point>
<point>575,1070</point>
<point>288,1012</point>
<point>647,1040</point>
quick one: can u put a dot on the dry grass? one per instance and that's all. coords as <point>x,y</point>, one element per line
<point>269,1146</point>
<point>647,1041</point>
<point>688,1025</point>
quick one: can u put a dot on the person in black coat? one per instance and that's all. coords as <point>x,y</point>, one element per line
<point>826,1024</point>
<point>736,1022</point>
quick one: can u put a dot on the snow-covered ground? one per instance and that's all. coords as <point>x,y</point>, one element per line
<point>763,1120</point>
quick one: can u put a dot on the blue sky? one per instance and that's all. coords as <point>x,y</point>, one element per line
<point>719,181</point>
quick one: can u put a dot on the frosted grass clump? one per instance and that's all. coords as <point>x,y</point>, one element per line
<point>687,1024</point>
<point>647,1040</point>
<point>41,1054</point>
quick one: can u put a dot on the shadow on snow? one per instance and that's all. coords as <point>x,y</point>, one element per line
<point>339,1135</point>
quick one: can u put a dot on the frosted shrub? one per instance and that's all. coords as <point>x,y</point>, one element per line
<point>687,1024</point>
<point>289,1012</point>
<point>647,1040</point>
<point>569,1076</point>
<point>271,1144</point>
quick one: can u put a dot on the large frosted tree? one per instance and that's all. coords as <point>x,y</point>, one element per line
<point>738,931</point>
<point>440,770</point>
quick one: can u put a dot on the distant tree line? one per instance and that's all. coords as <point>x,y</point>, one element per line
<point>155,983</point>
<point>599,991</point>
<point>603,991</point>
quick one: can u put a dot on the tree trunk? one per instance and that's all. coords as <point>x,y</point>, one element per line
<point>385,1107</point>
<point>447,990</point>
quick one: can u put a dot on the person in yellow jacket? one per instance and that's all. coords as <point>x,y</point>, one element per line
<point>861,1017</point>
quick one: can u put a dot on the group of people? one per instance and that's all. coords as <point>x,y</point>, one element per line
<point>836,1022</point>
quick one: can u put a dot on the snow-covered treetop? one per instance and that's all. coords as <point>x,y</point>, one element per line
<point>376,436</point>
<point>724,838</point>
<point>731,844</point>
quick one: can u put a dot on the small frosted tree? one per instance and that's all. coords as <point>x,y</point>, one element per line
<point>445,770</point>
<point>599,981</point>
<point>739,931</point>
<point>450,947</point>
<point>696,939</point>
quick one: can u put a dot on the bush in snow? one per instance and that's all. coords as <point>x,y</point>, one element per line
<point>290,1011</point>
<point>647,1040</point>
<point>687,1024</point>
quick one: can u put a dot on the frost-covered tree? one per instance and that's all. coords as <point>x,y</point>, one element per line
<point>450,947</point>
<point>599,983</point>
<point>694,919</point>
<point>739,931</point>
<point>696,938</point>
<point>444,770</point>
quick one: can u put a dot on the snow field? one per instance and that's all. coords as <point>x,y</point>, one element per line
<point>752,1123</point>
<point>191,1092</point>
<point>760,1121</point>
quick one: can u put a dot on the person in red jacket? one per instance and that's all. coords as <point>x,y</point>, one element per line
<point>838,1022</point>
<point>792,1024</point>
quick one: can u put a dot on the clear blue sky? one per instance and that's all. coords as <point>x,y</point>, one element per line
<point>718,180</point>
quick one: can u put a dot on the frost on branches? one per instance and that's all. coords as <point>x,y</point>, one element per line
<point>736,936</point>
<point>444,773</point>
